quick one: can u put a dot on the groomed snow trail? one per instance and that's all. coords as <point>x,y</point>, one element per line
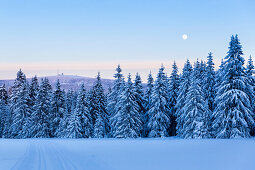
<point>127,154</point>
<point>42,156</point>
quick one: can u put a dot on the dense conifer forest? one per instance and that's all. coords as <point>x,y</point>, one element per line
<point>200,102</point>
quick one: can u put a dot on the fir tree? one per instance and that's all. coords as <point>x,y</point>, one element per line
<point>148,102</point>
<point>251,87</point>
<point>250,67</point>
<point>4,113</point>
<point>183,90</point>
<point>83,112</point>
<point>74,128</point>
<point>129,124</point>
<point>173,94</point>
<point>159,120</point>
<point>113,96</point>
<point>139,97</point>
<point>18,83</point>
<point>33,90</point>
<point>70,104</point>
<point>41,114</point>
<point>209,82</point>
<point>98,108</point>
<point>57,110</point>
<point>195,112</point>
<point>232,115</point>
<point>20,123</point>
<point>19,108</point>
<point>3,94</point>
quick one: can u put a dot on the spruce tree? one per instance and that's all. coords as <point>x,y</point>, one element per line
<point>251,87</point>
<point>70,104</point>
<point>139,97</point>
<point>82,110</point>
<point>41,114</point>
<point>4,113</point>
<point>20,123</point>
<point>185,82</point>
<point>129,124</point>
<point>174,84</point>
<point>3,94</point>
<point>98,108</point>
<point>74,127</point>
<point>112,107</point>
<point>57,110</point>
<point>159,120</point>
<point>195,111</point>
<point>19,108</point>
<point>33,90</point>
<point>250,67</point>
<point>232,117</point>
<point>209,82</point>
<point>148,102</point>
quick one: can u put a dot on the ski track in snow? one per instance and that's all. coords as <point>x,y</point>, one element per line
<point>42,156</point>
<point>126,154</point>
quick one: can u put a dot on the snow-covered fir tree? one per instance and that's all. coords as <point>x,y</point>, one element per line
<point>70,104</point>
<point>74,127</point>
<point>33,90</point>
<point>202,70</point>
<point>20,123</point>
<point>41,114</point>
<point>174,84</point>
<point>70,100</point>
<point>98,108</point>
<point>4,111</point>
<point>250,67</point>
<point>251,82</point>
<point>83,112</point>
<point>139,97</point>
<point>209,82</point>
<point>148,102</point>
<point>219,75</point>
<point>195,111</point>
<point>57,110</point>
<point>232,117</point>
<point>159,120</point>
<point>129,124</point>
<point>112,98</point>
<point>251,88</point>
<point>19,81</point>
<point>20,111</point>
<point>185,82</point>
<point>4,114</point>
<point>3,93</point>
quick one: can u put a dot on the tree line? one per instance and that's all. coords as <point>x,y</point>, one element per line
<point>200,102</point>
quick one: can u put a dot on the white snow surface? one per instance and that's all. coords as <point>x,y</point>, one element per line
<point>127,154</point>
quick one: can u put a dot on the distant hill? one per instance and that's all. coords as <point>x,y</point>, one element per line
<point>67,82</point>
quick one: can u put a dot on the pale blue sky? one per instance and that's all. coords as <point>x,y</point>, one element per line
<point>102,33</point>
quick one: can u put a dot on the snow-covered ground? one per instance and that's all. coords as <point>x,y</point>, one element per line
<point>126,154</point>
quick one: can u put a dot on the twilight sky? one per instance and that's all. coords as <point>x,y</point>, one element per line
<point>82,37</point>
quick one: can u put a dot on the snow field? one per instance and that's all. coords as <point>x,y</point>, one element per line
<point>126,154</point>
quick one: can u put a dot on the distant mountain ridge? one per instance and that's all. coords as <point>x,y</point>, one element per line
<point>67,82</point>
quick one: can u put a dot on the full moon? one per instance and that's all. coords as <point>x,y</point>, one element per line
<point>184,36</point>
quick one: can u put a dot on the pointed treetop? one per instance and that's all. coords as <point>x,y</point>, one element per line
<point>129,78</point>
<point>250,67</point>
<point>21,77</point>
<point>118,75</point>
<point>58,86</point>
<point>235,49</point>
<point>98,76</point>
